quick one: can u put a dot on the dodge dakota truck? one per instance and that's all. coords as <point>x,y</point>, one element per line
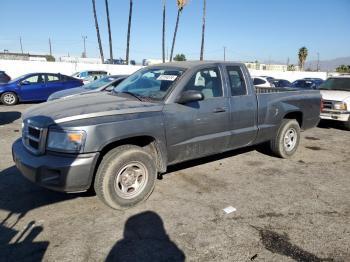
<point>117,143</point>
<point>336,99</point>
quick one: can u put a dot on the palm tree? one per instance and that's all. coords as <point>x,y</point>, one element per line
<point>203,29</point>
<point>128,37</point>
<point>163,33</point>
<point>109,32</point>
<point>180,6</point>
<point>98,31</point>
<point>303,52</point>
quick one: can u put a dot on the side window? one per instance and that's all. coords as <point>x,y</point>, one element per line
<point>237,84</point>
<point>208,81</point>
<point>258,81</point>
<point>35,79</point>
<point>52,78</point>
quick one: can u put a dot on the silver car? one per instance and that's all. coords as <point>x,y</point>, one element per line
<point>106,83</point>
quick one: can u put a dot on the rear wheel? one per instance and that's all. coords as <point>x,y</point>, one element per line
<point>9,98</point>
<point>286,142</point>
<point>125,177</point>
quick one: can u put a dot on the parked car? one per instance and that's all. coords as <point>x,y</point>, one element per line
<point>35,87</point>
<point>119,142</point>
<point>280,83</point>
<point>305,84</point>
<point>90,75</point>
<point>318,81</point>
<point>269,78</point>
<point>106,83</point>
<point>335,92</point>
<point>4,78</point>
<point>260,81</point>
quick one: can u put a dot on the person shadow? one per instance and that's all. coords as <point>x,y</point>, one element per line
<point>145,239</point>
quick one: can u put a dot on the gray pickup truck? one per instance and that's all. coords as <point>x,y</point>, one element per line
<point>117,143</point>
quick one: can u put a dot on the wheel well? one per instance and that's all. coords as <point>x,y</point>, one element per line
<point>146,142</point>
<point>295,115</point>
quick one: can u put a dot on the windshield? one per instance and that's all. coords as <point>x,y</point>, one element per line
<point>18,79</point>
<point>342,84</point>
<point>151,83</point>
<point>99,83</point>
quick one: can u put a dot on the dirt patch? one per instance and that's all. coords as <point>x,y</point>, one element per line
<point>312,138</point>
<point>315,148</point>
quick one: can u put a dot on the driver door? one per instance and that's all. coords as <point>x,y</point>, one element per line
<point>198,128</point>
<point>33,88</point>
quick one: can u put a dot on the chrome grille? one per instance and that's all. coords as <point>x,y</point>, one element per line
<point>34,138</point>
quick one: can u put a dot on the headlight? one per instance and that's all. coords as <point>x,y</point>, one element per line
<point>339,106</point>
<point>66,141</point>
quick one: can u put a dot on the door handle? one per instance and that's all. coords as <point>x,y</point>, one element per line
<point>219,110</point>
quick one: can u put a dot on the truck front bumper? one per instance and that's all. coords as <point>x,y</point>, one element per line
<point>335,115</point>
<point>60,172</point>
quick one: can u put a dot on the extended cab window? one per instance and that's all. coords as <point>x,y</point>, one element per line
<point>207,81</point>
<point>237,84</point>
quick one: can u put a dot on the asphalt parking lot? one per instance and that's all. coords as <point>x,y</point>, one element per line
<point>286,210</point>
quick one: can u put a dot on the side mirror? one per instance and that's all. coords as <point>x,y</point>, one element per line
<point>190,96</point>
<point>23,83</point>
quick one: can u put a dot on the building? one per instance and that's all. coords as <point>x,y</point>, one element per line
<point>269,67</point>
<point>26,57</point>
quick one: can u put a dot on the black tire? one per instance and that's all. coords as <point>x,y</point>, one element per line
<point>118,169</point>
<point>9,99</point>
<point>347,125</point>
<point>279,145</point>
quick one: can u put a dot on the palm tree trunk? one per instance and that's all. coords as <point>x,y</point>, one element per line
<point>175,32</point>
<point>203,30</point>
<point>163,33</point>
<point>128,37</point>
<point>98,32</point>
<point>109,33</point>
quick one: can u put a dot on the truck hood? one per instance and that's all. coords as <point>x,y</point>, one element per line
<point>335,95</point>
<point>88,106</point>
<point>67,93</point>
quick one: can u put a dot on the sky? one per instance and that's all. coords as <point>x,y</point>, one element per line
<point>263,30</point>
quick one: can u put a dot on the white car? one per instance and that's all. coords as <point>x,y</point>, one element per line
<point>336,99</point>
<point>261,81</point>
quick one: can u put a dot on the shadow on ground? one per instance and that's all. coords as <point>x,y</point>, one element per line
<point>329,124</point>
<point>9,117</point>
<point>262,148</point>
<point>145,239</point>
<point>19,196</point>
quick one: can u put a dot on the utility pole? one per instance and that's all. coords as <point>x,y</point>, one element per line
<point>84,39</point>
<point>50,46</point>
<point>318,61</point>
<point>224,53</point>
<point>20,42</point>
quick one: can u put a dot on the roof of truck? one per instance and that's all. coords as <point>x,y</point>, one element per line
<point>189,64</point>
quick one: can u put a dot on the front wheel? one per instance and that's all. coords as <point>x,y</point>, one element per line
<point>126,176</point>
<point>286,142</point>
<point>9,98</point>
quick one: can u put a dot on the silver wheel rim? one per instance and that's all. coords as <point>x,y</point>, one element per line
<point>290,139</point>
<point>131,180</point>
<point>9,99</point>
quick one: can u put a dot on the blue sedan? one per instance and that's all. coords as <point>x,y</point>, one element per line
<point>35,87</point>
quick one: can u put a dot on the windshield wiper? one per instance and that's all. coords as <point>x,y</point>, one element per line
<point>131,94</point>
